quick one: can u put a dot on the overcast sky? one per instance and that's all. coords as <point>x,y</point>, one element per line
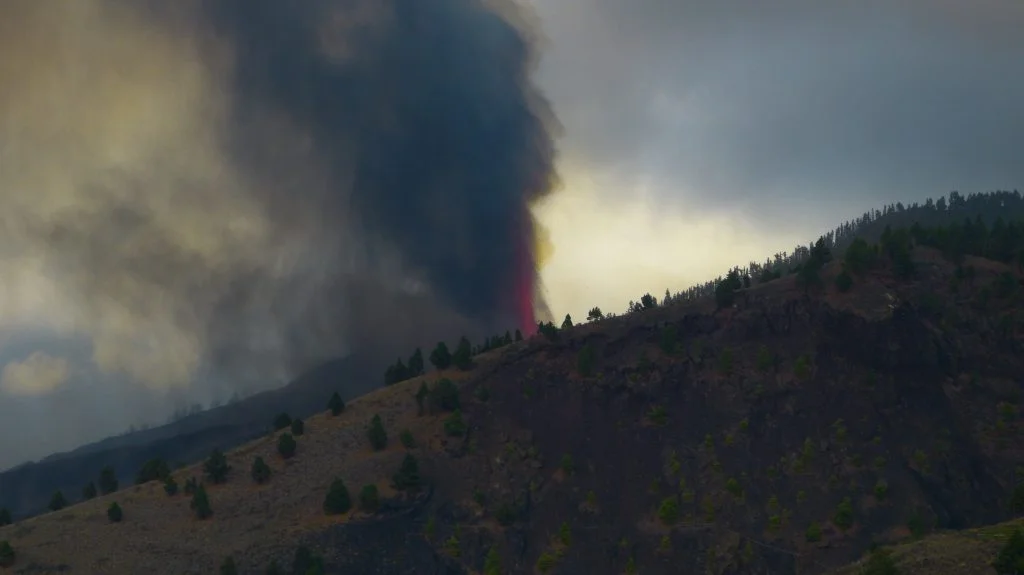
<point>696,135</point>
<point>699,135</point>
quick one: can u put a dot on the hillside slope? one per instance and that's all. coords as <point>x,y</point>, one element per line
<point>784,434</point>
<point>26,489</point>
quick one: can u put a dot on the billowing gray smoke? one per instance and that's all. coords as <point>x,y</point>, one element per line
<point>243,187</point>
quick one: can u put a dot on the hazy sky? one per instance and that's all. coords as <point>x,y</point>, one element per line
<point>700,135</point>
<point>695,136</point>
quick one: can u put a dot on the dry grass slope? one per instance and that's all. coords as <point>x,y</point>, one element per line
<point>253,523</point>
<point>968,552</point>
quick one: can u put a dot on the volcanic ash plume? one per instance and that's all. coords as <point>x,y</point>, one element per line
<point>242,187</point>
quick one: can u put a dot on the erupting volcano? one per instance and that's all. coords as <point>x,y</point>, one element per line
<point>525,286</point>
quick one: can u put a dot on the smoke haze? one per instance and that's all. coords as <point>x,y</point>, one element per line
<point>229,191</point>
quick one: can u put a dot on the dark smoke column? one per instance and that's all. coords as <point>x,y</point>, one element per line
<point>427,119</point>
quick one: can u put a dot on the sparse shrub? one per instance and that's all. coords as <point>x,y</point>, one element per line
<point>881,489</point>
<point>5,517</point>
<point>335,404</point>
<point>807,453</point>
<point>200,504</point>
<point>565,534</point>
<point>282,421</point>
<point>152,470</point>
<point>546,562</point>
<point>298,427</point>
<point>480,498</point>
<point>378,437</point>
<point>658,415</point>
<point>369,498</point>
<point>444,396</point>
<point>1010,560</point>
<point>839,427</point>
<point>585,361</point>
<point>114,513</point>
<point>58,502</point>
<point>733,486</point>
<point>880,562</point>
<point>273,568</point>
<point>337,500</point>
<point>191,485</point>
<point>286,445</point>
<point>407,439</point>
<point>454,426</point>
<point>764,359</point>
<point>668,511</point>
<point>170,486</point>
<point>108,480</point>
<point>6,554</point>
<point>89,491</point>
<point>744,425</point>
<point>492,562</point>
<point>451,545</point>
<point>674,465</point>
<point>216,467</point>
<point>228,567</point>
<point>725,362</point>
<point>631,566</point>
<point>843,517</point>
<point>408,476</point>
<point>568,465</point>
<point>844,282</point>
<point>260,470</point>
<point>802,367</point>
<point>813,533</point>
<point>709,442</point>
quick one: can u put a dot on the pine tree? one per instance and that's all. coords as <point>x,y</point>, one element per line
<point>216,467</point>
<point>114,513</point>
<point>441,358</point>
<point>463,356</point>
<point>416,363</point>
<point>58,502</point>
<point>200,504</point>
<point>336,404</point>
<point>260,470</point>
<point>108,481</point>
<point>337,500</point>
<point>377,435</point>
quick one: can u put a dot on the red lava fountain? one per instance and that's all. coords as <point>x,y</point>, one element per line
<point>525,281</point>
